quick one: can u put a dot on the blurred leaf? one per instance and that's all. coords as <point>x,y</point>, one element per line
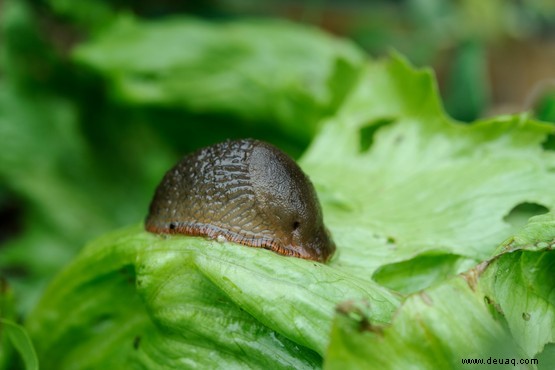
<point>545,106</point>
<point>92,15</point>
<point>547,358</point>
<point>7,310</point>
<point>28,60</point>
<point>21,341</point>
<point>467,93</point>
<point>265,71</point>
<point>44,161</point>
<point>42,150</point>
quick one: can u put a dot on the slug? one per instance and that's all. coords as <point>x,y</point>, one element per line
<point>246,191</point>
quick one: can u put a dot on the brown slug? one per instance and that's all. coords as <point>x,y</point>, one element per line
<point>246,191</point>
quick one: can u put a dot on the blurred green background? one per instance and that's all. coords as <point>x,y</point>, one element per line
<point>99,98</point>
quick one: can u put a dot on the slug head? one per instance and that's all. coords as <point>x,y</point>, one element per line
<point>287,198</point>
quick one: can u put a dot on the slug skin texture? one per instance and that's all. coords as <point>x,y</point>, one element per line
<point>246,191</point>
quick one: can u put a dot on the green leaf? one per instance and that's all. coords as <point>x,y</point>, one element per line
<point>467,90</point>
<point>429,186</point>
<point>230,67</point>
<point>519,282</point>
<point>21,341</point>
<point>420,272</point>
<point>547,358</point>
<point>146,299</point>
<point>402,186</point>
<point>506,305</point>
<point>436,328</point>
<point>426,184</point>
<point>521,286</point>
<point>538,234</point>
<point>44,166</point>
<point>88,14</point>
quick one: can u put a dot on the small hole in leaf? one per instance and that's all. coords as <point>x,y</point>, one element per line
<point>521,213</point>
<point>368,132</point>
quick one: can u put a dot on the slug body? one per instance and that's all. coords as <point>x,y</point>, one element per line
<point>245,191</point>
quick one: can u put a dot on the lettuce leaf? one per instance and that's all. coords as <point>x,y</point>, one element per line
<point>134,297</point>
<point>520,284</point>
<point>426,184</point>
<point>20,340</point>
<point>400,183</point>
<point>294,81</point>
<point>435,328</point>
<point>506,305</point>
